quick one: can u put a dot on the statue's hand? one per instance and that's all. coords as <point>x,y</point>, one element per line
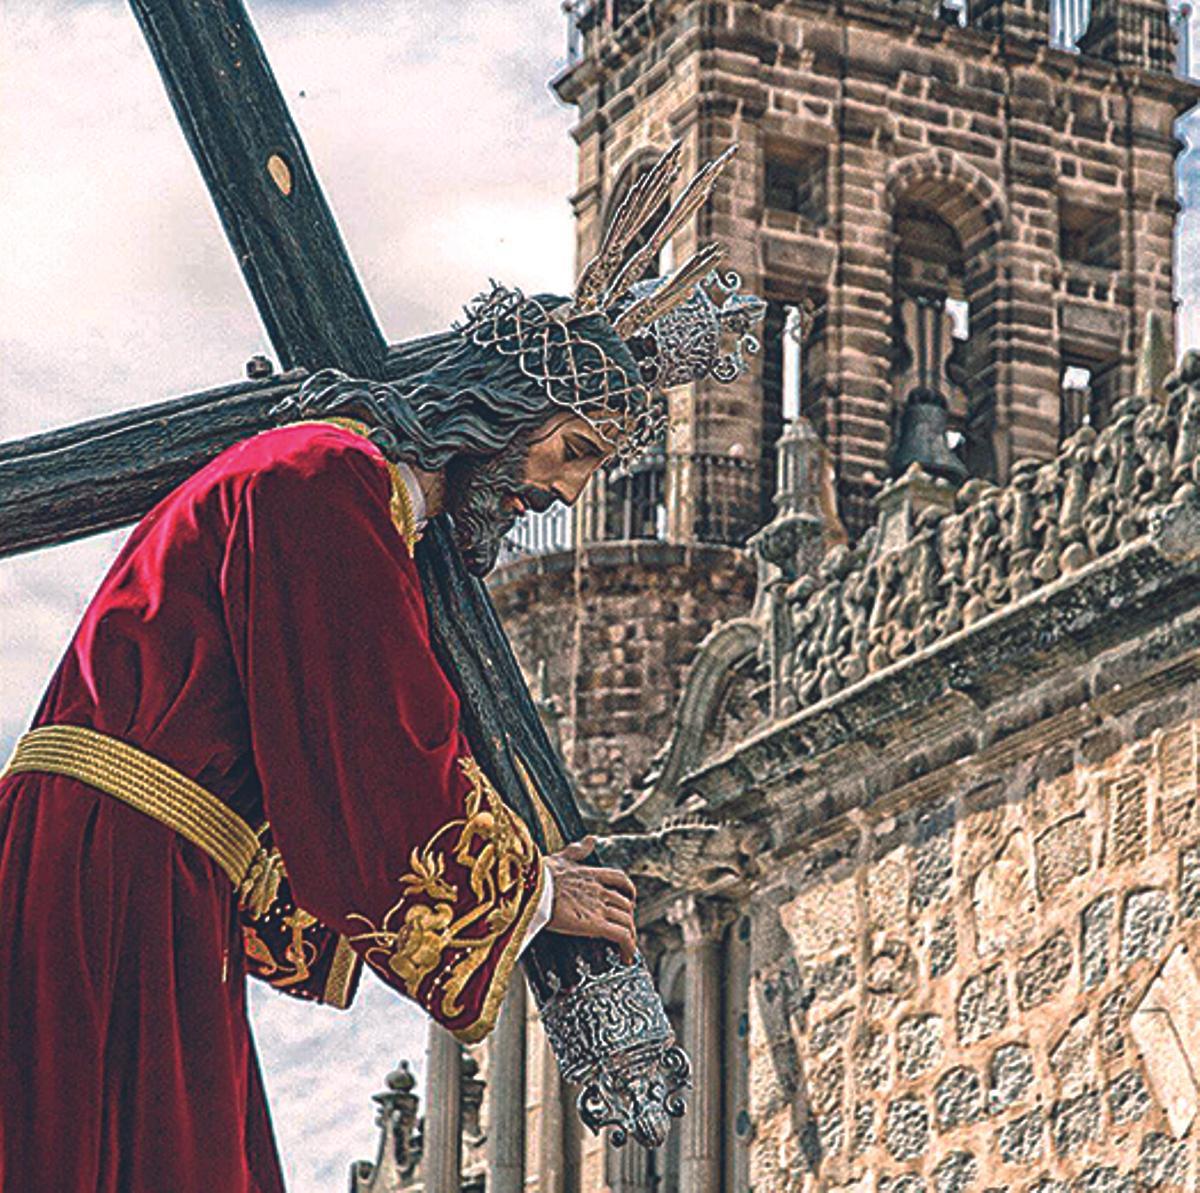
<point>592,900</point>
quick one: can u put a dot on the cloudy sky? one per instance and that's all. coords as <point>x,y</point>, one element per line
<point>446,160</point>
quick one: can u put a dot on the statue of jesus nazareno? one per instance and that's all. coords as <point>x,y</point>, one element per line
<point>250,762</point>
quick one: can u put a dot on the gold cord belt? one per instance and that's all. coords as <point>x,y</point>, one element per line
<point>143,782</point>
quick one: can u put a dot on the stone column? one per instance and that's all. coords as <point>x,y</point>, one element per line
<point>552,1161</point>
<point>506,1095</point>
<point>736,966</point>
<point>629,1169</point>
<point>441,1159</point>
<point>703,922</point>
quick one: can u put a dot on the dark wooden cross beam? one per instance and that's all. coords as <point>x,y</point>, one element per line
<point>106,473</point>
<point>98,475</point>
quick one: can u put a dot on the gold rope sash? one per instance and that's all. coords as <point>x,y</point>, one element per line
<point>143,782</point>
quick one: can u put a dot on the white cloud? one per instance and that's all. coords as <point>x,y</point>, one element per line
<point>321,1068</point>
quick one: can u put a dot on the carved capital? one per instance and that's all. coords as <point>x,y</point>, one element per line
<point>702,921</point>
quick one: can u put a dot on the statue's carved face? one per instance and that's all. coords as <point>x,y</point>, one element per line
<point>563,454</point>
<point>486,496</point>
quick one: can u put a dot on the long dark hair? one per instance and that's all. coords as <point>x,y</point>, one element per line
<point>461,398</point>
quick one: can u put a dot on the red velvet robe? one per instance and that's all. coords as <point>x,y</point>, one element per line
<point>263,632</point>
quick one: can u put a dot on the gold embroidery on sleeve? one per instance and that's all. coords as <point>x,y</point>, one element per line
<point>425,923</point>
<point>551,833</point>
<point>260,887</point>
<point>341,975</point>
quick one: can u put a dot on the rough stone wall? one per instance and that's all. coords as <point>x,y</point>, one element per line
<point>616,626</point>
<point>992,991</point>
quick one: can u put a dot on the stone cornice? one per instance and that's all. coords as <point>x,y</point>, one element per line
<point>1097,640</point>
<point>620,46</point>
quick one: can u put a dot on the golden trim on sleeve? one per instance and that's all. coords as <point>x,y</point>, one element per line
<point>445,927</point>
<point>551,833</point>
<point>341,975</point>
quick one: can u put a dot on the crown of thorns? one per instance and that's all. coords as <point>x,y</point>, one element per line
<point>672,328</point>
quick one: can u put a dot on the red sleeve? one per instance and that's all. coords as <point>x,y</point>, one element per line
<point>391,835</point>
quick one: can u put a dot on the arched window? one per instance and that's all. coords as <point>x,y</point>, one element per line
<point>931,315</point>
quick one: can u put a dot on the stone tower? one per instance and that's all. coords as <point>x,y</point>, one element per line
<point>930,200</point>
<point>958,199</point>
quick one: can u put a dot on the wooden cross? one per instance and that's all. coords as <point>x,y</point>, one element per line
<point>101,474</point>
<point>108,472</point>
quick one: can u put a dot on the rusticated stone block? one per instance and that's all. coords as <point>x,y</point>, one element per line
<point>1010,1075</point>
<point>1071,1058</point>
<point>831,1132</point>
<point>865,1128</point>
<point>871,1058</point>
<point>982,1005</point>
<point>943,946</point>
<point>1145,924</point>
<point>1176,759</point>
<point>958,1098</point>
<point>1128,1098</point>
<point>828,1084</point>
<point>1064,853</point>
<point>906,1128</point>
<point>832,979</point>
<point>821,919</point>
<point>1044,972</point>
<point>933,859</point>
<point>1110,1022</point>
<point>1003,898</point>
<point>1189,883</point>
<point>1162,1163</point>
<point>1097,931</point>
<point>956,1173</point>
<point>1020,1141</point>
<point>918,1045</point>
<point>834,1030</point>
<point>1125,795</point>
<point>906,1183</point>
<point>1076,1121</point>
<point>887,892</point>
<point>1104,1179</point>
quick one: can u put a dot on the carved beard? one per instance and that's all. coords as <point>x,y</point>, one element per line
<point>476,487</point>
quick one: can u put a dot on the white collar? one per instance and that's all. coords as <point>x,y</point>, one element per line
<point>416,495</point>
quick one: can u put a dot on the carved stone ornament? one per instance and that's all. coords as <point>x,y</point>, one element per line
<point>610,1035</point>
<point>890,596</point>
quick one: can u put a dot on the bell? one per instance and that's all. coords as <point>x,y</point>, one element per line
<point>922,438</point>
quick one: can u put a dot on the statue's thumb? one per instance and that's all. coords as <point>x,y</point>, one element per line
<point>578,850</point>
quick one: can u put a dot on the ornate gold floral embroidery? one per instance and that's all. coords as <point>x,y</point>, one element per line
<point>259,889</point>
<point>426,922</point>
<point>299,954</point>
